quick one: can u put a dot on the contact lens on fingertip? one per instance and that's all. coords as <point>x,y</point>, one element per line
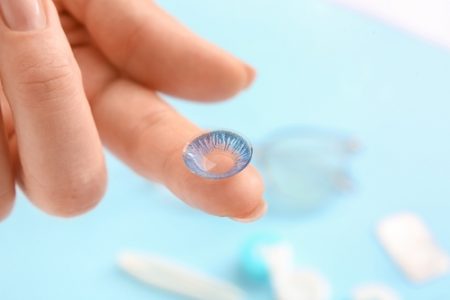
<point>217,154</point>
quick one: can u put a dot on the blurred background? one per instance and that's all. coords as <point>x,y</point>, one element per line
<point>320,64</point>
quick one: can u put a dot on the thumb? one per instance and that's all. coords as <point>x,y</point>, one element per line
<point>62,168</point>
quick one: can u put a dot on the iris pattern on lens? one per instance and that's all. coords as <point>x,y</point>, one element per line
<point>217,154</point>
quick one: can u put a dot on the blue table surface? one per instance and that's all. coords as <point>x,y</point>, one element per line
<point>319,65</point>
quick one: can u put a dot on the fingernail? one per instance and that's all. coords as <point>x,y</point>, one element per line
<point>257,214</point>
<point>23,15</point>
<point>251,74</point>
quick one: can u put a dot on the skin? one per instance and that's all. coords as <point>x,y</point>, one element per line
<point>92,76</point>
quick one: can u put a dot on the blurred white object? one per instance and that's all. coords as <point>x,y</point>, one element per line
<point>310,285</point>
<point>290,283</point>
<point>374,292</point>
<point>427,18</point>
<point>159,272</point>
<point>411,245</point>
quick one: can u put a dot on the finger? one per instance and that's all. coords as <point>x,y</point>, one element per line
<point>75,32</point>
<point>6,112</point>
<point>60,152</point>
<point>117,124</point>
<point>7,191</point>
<point>9,130</point>
<point>150,136</point>
<point>156,50</point>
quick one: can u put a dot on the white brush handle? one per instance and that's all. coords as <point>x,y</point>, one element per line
<point>167,275</point>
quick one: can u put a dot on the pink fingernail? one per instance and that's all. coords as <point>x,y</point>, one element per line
<point>259,213</point>
<point>23,15</point>
<point>251,74</point>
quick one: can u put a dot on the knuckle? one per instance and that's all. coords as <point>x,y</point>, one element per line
<point>133,41</point>
<point>48,78</point>
<point>146,129</point>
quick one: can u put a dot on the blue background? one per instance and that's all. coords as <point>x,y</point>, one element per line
<point>319,65</point>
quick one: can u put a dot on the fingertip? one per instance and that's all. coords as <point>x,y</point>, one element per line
<point>246,190</point>
<point>76,196</point>
<point>256,214</point>
<point>239,197</point>
<point>223,77</point>
<point>231,77</point>
<point>251,75</point>
<point>231,80</point>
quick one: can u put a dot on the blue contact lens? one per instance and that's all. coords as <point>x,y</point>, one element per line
<point>217,154</point>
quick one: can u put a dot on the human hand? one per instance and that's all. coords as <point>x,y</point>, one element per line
<point>126,50</point>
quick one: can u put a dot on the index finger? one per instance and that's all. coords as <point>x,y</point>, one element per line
<point>150,136</point>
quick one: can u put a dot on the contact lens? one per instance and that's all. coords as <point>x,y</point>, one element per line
<point>305,168</point>
<point>217,154</point>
